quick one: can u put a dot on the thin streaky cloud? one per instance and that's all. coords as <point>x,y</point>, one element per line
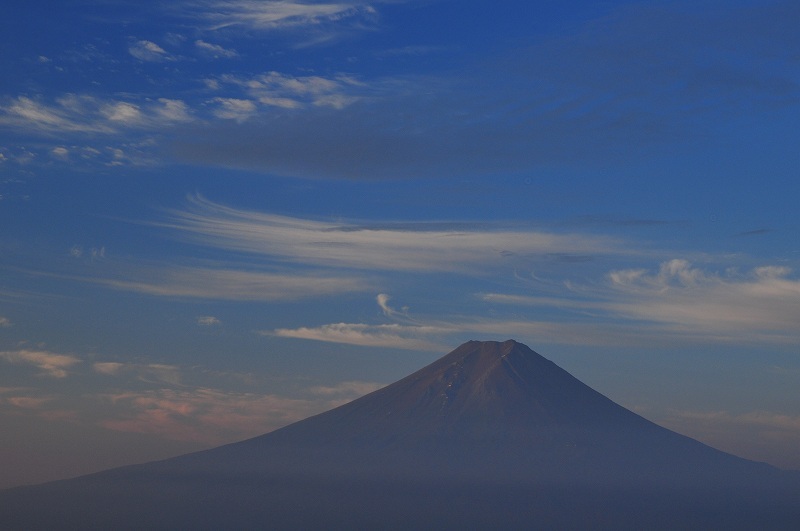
<point>439,334</point>
<point>765,300</point>
<point>540,301</point>
<point>215,50</point>
<point>74,113</point>
<point>681,301</point>
<point>297,240</point>
<point>366,335</point>
<point>233,285</point>
<point>65,116</point>
<point>276,89</point>
<point>259,15</point>
<point>678,305</point>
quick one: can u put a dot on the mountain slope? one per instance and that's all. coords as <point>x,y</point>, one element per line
<point>491,435</point>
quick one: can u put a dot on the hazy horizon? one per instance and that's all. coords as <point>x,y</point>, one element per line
<point>221,217</point>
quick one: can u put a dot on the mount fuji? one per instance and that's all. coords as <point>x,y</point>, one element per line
<point>492,435</point>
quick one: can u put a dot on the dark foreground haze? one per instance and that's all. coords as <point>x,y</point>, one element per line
<point>490,436</point>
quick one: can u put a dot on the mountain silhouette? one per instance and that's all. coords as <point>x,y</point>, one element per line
<point>492,435</point>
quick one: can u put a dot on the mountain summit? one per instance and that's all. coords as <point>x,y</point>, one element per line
<point>490,435</point>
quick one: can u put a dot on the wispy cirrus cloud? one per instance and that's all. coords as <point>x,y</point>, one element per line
<point>64,116</point>
<point>383,302</point>
<point>215,51</point>
<point>684,302</point>
<point>74,113</point>
<point>381,335</point>
<point>276,89</point>
<point>677,305</point>
<point>49,363</point>
<point>387,247</point>
<point>440,333</point>
<point>232,284</point>
<point>274,15</point>
<point>763,303</point>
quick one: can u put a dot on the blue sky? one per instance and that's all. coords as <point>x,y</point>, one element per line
<point>219,217</point>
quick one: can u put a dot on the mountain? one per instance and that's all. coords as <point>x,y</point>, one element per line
<point>491,435</point>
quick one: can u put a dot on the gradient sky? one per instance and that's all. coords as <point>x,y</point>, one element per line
<point>221,216</point>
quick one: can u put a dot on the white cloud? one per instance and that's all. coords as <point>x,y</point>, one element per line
<point>60,152</point>
<point>171,110</point>
<point>390,248</point>
<point>148,51</point>
<point>87,114</point>
<point>234,109</point>
<point>152,114</point>
<point>383,302</point>
<point>68,115</point>
<point>208,320</point>
<point>680,302</point>
<point>214,50</point>
<point>260,15</point>
<point>49,363</point>
<point>763,305</point>
<point>4,322</point>
<point>123,112</point>
<point>226,284</point>
<point>677,305</point>
<point>440,333</point>
<point>386,335</point>
<point>281,90</point>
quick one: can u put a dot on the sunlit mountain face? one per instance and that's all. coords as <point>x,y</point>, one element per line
<point>492,434</point>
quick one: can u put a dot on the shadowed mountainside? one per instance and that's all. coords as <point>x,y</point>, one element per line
<point>490,435</point>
